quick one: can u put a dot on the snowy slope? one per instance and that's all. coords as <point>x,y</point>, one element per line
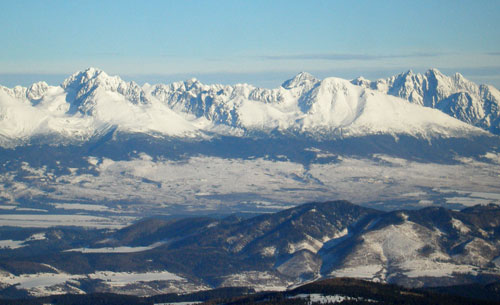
<point>90,103</point>
<point>454,95</point>
<point>410,247</point>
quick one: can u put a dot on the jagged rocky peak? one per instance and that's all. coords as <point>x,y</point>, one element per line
<point>459,77</point>
<point>434,71</point>
<point>464,84</point>
<point>406,75</point>
<point>300,80</point>
<point>407,79</point>
<point>407,85</point>
<point>34,92</point>
<point>37,90</point>
<point>192,83</point>
<point>93,77</point>
<point>443,86</point>
<point>454,95</point>
<point>361,81</point>
<point>18,92</point>
<point>435,74</point>
<point>86,81</point>
<point>84,77</point>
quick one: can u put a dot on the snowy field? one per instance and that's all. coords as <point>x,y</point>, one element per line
<point>260,281</point>
<point>50,220</point>
<point>111,193</point>
<point>59,282</point>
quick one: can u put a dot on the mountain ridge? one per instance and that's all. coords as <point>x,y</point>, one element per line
<point>413,248</point>
<point>91,101</point>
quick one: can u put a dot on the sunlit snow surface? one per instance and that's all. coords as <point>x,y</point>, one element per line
<point>11,244</point>
<point>43,221</point>
<point>260,281</point>
<point>14,244</point>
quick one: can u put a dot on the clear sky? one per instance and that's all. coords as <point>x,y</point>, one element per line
<point>259,42</point>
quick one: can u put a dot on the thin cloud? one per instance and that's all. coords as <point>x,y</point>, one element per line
<point>346,56</point>
<point>493,53</point>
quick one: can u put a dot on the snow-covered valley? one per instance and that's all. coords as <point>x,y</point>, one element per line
<point>206,184</point>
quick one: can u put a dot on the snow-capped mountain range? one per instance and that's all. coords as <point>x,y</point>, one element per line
<point>90,103</point>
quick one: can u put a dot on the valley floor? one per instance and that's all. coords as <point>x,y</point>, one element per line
<point>117,189</point>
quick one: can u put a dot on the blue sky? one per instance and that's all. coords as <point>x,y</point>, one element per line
<point>260,42</point>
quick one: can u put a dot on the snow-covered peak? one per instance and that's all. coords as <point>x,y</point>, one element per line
<point>90,78</point>
<point>459,77</point>
<point>193,84</point>
<point>17,92</point>
<point>440,86</point>
<point>336,83</point>
<point>406,75</point>
<point>37,90</point>
<point>463,84</point>
<point>333,102</point>
<point>92,72</point>
<point>82,85</point>
<point>405,78</point>
<point>300,80</point>
<point>361,81</point>
<point>435,72</point>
